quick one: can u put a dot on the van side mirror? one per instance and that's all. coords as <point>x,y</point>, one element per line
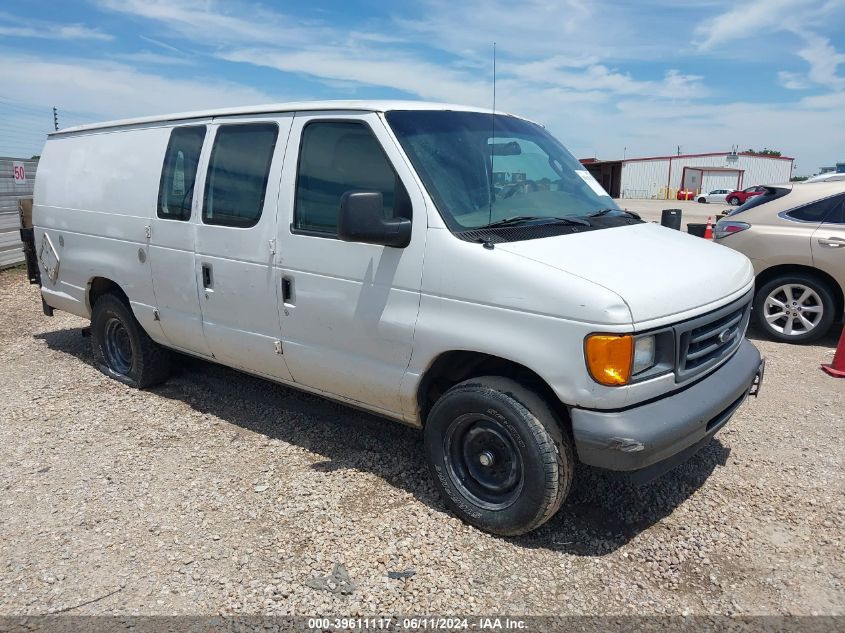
<point>361,219</point>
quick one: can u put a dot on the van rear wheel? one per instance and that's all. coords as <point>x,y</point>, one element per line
<point>122,349</point>
<point>498,455</point>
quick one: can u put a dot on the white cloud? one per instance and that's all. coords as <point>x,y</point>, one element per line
<point>585,75</point>
<point>799,18</point>
<point>562,62</point>
<point>831,101</point>
<point>118,90</point>
<point>657,127</point>
<point>161,44</point>
<point>338,57</point>
<point>46,30</point>
<point>87,91</point>
<point>219,23</point>
<point>824,61</point>
<point>524,29</point>
<point>79,32</point>
<point>792,81</point>
<point>155,59</point>
<point>366,67</point>
<point>747,20</point>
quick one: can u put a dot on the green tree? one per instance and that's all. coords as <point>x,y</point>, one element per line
<point>764,152</point>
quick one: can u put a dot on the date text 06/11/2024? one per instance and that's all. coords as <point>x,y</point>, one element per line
<point>416,624</point>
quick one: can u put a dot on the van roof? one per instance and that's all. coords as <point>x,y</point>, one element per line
<point>301,106</point>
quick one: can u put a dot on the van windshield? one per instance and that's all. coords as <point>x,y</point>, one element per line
<point>490,169</point>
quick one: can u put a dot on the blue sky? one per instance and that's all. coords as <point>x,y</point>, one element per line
<point>606,77</point>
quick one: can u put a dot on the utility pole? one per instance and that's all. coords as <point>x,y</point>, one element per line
<point>55,119</point>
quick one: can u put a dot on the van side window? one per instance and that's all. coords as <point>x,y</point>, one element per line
<point>818,211</point>
<point>237,174</point>
<point>179,172</point>
<point>336,157</point>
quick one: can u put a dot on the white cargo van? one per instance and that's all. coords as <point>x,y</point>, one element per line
<point>451,268</point>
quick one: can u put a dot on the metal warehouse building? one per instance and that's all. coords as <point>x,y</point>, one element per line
<point>17,179</point>
<point>663,176</point>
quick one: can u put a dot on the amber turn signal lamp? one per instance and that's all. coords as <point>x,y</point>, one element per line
<point>609,358</point>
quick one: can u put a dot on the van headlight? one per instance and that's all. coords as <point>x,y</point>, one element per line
<point>644,354</point>
<point>617,359</point>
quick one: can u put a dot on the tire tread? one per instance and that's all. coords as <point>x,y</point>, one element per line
<point>151,360</point>
<point>554,446</point>
<point>823,290</point>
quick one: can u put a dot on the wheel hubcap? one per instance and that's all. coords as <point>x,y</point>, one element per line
<point>483,461</point>
<point>118,346</point>
<point>793,309</point>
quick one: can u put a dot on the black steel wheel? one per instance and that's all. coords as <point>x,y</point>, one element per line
<point>118,346</point>
<point>122,349</point>
<point>484,462</point>
<point>498,455</point>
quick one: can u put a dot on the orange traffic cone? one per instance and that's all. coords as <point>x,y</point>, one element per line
<point>837,367</point>
<point>708,231</point>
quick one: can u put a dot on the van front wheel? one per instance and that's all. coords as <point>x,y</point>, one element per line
<point>498,455</point>
<point>122,349</point>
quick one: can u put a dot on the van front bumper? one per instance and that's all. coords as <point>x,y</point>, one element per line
<point>652,438</point>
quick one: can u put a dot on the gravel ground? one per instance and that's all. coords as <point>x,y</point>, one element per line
<point>222,493</point>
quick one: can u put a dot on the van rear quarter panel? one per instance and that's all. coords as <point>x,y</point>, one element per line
<point>94,196</point>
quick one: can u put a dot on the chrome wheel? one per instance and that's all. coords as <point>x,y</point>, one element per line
<point>793,309</point>
<point>118,346</point>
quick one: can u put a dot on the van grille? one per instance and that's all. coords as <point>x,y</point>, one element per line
<point>706,340</point>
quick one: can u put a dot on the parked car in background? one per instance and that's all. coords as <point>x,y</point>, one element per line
<point>357,251</point>
<point>829,177</point>
<point>740,196</point>
<point>794,235</point>
<point>717,195</point>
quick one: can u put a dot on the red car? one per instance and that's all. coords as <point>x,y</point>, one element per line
<point>738,197</point>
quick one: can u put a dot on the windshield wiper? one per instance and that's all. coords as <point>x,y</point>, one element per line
<point>609,209</point>
<point>523,219</point>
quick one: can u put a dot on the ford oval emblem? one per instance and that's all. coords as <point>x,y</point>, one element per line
<point>725,336</point>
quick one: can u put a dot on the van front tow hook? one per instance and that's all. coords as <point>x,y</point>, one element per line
<point>754,390</point>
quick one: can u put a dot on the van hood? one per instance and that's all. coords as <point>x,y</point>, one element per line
<point>658,272</point>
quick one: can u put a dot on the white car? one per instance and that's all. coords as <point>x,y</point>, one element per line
<point>828,177</point>
<point>717,195</point>
<point>361,251</point>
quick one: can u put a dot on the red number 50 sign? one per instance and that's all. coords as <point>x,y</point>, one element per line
<point>20,173</point>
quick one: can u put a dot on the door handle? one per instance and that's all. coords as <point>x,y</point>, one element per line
<point>287,290</point>
<point>832,242</point>
<point>207,279</point>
